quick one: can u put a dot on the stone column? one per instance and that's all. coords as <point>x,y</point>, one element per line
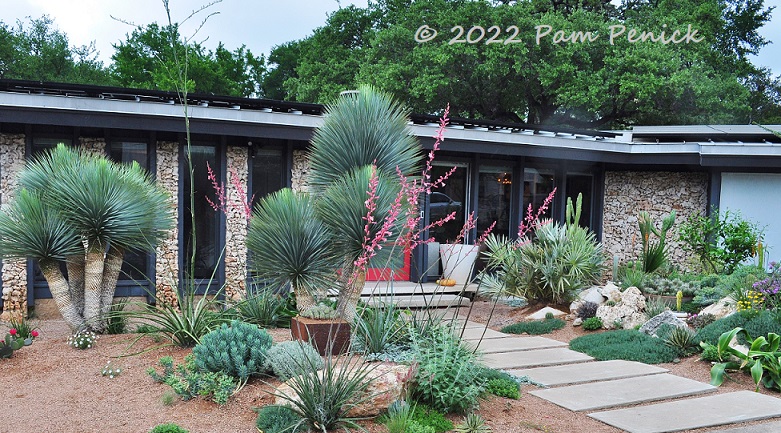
<point>167,252</point>
<point>658,193</point>
<point>93,145</point>
<point>236,220</point>
<point>14,280</point>
<point>300,171</point>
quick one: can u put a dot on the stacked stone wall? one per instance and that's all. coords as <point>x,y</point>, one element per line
<point>300,171</point>
<point>658,193</point>
<point>236,220</point>
<point>14,272</point>
<point>167,253</point>
<point>93,145</point>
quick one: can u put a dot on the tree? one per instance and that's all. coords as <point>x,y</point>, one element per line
<point>42,52</point>
<point>586,83</point>
<point>86,211</point>
<point>145,60</point>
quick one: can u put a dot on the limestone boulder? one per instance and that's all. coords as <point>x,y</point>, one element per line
<point>724,307</point>
<point>652,326</point>
<point>387,383</point>
<point>540,314</point>
<point>627,312</point>
<point>611,292</point>
<point>592,294</point>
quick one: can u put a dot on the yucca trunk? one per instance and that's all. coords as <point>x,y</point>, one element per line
<point>75,265</point>
<point>349,297</point>
<point>304,299</point>
<point>60,290</point>
<point>108,285</point>
<point>93,276</point>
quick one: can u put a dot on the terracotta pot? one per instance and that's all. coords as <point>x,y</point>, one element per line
<point>325,335</point>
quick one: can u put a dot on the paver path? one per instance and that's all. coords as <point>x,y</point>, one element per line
<point>579,383</point>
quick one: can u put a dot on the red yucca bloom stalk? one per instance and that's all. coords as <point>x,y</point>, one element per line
<point>532,220</point>
<point>223,203</point>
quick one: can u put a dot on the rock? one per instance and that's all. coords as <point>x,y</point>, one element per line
<point>389,382</point>
<point>540,314</point>
<point>592,294</point>
<point>577,322</point>
<point>667,318</point>
<point>724,307</point>
<point>627,312</point>
<point>611,292</point>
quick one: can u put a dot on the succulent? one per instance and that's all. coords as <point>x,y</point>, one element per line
<point>592,323</point>
<point>320,312</point>
<point>587,310</point>
<point>473,423</point>
<point>10,345</point>
<point>291,358</point>
<point>238,350</point>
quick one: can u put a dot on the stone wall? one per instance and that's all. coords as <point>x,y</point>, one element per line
<point>167,253</point>
<point>93,145</point>
<point>14,272</point>
<point>236,220</point>
<point>300,171</point>
<point>658,193</point>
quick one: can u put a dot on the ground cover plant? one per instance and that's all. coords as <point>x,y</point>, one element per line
<point>535,327</point>
<point>188,381</point>
<point>755,323</point>
<point>592,324</point>
<point>291,358</point>
<point>278,419</point>
<point>627,344</point>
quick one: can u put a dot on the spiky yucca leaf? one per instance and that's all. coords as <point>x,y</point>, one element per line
<point>289,244</point>
<point>361,129</point>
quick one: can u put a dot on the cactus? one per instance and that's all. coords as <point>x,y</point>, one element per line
<point>320,312</point>
<point>10,345</point>
<point>573,213</point>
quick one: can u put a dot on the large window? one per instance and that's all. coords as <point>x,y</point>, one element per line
<point>537,185</point>
<point>136,264</point>
<point>582,184</point>
<point>268,172</point>
<point>493,199</point>
<point>207,220</point>
<point>447,199</point>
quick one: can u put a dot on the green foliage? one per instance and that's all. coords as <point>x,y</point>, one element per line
<point>572,214</point>
<point>399,417</point>
<point>504,388</point>
<point>82,339</point>
<point>680,338</point>
<point>654,255</point>
<point>238,350</point>
<point>265,308</point>
<point>278,419</point>
<point>473,423</point>
<point>430,418</point>
<point>187,381</point>
<point>655,307</point>
<point>720,241</point>
<point>632,275</point>
<point>323,399</point>
<point>592,324</point>
<point>700,321</point>
<point>763,359</point>
<point>536,327</point>
<point>9,345</point>
<point>669,287</point>
<point>168,428</point>
<point>761,324</point>
<point>321,311</point>
<point>630,345</point>
<point>449,376</point>
<point>552,267</point>
<point>291,358</point>
<point>710,353</point>
<point>706,296</point>
<point>116,323</point>
<point>379,329</point>
<point>24,329</point>
<point>587,310</point>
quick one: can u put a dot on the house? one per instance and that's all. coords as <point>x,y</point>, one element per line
<point>260,146</point>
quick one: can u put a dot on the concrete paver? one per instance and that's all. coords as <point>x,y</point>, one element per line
<point>510,344</point>
<point>477,333</point>
<point>534,358</point>
<point>588,372</point>
<point>770,427</point>
<point>693,413</point>
<point>621,392</point>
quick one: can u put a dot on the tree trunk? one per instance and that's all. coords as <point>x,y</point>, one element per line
<point>349,297</point>
<point>60,289</point>
<point>93,275</point>
<point>108,285</point>
<point>75,265</point>
<point>304,299</point>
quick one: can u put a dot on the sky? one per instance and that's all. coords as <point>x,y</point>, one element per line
<point>258,24</point>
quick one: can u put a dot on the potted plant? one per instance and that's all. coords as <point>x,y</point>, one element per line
<point>458,260</point>
<point>322,241</point>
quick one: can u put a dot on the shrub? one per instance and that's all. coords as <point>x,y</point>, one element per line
<point>265,308</point>
<point>507,388</point>
<point>237,350</point>
<point>323,399</point>
<point>291,358</point>
<point>278,419</point>
<point>761,324</point>
<point>670,286</point>
<point>378,329</point>
<point>537,327</point>
<point>187,381</point>
<point>592,324</point>
<point>706,296</point>
<point>721,242</point>
<point>710,353</point>
<point>630,345</point>
<point>168,428</point>
<point>587,310</point>
<point>427,417</point>
<point>448,377</point>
